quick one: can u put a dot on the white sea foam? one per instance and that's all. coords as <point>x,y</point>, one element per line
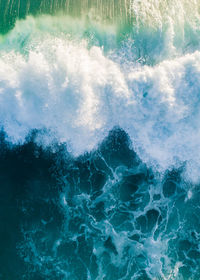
<point>78,94</point>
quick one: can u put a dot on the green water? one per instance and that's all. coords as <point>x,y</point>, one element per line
<point>110,11</point>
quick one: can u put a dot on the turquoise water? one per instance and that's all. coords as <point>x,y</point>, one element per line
<point>99,144</point>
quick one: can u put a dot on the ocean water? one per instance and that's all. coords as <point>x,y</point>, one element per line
<point>99,140</point>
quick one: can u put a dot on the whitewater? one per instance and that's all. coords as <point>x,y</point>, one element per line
<point>100,150</point>
<point>78,94</point>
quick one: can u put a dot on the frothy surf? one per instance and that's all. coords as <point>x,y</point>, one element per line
<point>79,93</point>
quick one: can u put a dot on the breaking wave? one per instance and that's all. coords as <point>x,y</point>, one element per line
<point>99,143</point>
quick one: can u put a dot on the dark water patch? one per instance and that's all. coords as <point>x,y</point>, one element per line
<point>147,222</point>
<point>103,215</point>
<point>110,246</point>
<point>28,194</point>
<point>171,181</point>
<point>116,150</point>
<point>169,188</point>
